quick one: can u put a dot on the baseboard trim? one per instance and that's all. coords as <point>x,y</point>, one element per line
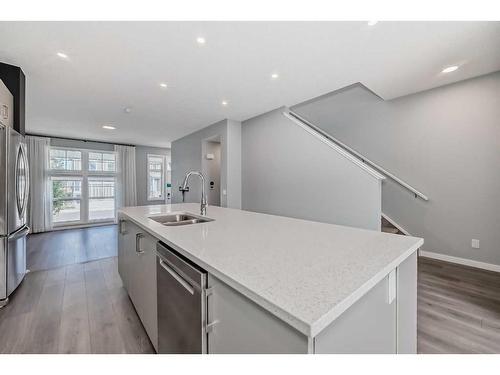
<point>462,261</point>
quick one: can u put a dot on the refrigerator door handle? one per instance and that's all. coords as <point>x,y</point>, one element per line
<point>22,196</point>
<point>16,178</point>
<point>27,182</point>
<point>20,233</point>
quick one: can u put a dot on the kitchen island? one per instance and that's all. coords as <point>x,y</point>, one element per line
<point>277,284</point>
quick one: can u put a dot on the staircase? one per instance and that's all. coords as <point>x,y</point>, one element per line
<point>387,227</point>
<point>387,224</point>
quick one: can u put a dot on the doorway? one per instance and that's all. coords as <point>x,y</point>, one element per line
<point>211,168</point>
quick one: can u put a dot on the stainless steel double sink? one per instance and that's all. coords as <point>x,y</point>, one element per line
<point>180,218</point>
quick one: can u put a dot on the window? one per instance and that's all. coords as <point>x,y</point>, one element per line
<point>65,160</point>
<point>101,198</point>
<point>83,186</point>
<point>156,176</point>
<point>102,162</point>
<point>67,194</point>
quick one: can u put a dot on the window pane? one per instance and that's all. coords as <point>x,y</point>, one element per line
<point>95,161</point>
<point>71,154</point>
<point>101,188</point>
<point>64,208</point>
<point>101,209</point>
<point>57,159</point>
<point>155,185</point>
<point>102,161</point>
<point>101,198</point>
<point>66,188</point>
<point>95,156</point>
<point>57,153</point>
<point>155,177</point>
<point>63,211</point>
<point>108,166</point>
<point>57,163</point>
<point>68,160</point>
<point>155,163</point>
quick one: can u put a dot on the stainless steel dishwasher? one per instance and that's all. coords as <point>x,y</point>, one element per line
<point>182,311</point>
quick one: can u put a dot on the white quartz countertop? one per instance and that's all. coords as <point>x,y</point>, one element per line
<point>306,273</point>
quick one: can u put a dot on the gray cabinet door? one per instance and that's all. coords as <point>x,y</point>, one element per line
<point>128,260</point>
<point>145,280</point>
<point>241,326</point>
<point>126,248</point>
<point>137,268</point>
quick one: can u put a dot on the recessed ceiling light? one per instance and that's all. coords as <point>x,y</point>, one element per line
<point>200,40</point>
<point>372,23</point>
<point>450,69</point>
<point>109,127</point>
<point>163,85</point>
<point>274,76</point>
<point>224,103</point>
<point>127,110</point>
<point>62,55</point>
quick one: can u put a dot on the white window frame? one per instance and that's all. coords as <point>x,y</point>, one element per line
<point>84,174</point>
<point>163,169</point>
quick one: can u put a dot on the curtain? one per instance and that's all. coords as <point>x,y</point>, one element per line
<point>126,194</point>
<point>39,217</point>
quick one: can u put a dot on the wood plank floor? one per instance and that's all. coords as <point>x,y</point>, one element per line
<point>63,247</point>
<point>458,308</point>
<point>78,308</point>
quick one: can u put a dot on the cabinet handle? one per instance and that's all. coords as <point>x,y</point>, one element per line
<point>138,237</point>
<point>211,326</point>
<point>120,227</point>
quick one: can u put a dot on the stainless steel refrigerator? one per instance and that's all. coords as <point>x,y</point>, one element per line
<point>14,190</point>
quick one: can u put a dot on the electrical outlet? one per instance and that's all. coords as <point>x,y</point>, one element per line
<point>475,244</point>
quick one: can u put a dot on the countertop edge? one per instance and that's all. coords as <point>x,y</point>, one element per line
<point>309,330</point>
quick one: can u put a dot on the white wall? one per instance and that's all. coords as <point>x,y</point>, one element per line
<point>286,171</point>
<point>445,142</point>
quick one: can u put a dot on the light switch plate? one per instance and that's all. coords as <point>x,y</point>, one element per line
<point>475,244</point>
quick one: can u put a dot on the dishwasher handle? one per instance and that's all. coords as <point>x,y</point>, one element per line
<point>176,276</point>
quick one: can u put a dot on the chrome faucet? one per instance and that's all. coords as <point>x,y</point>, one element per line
<point>203,208</point>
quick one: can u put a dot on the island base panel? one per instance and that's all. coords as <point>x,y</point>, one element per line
<point>241,326</point>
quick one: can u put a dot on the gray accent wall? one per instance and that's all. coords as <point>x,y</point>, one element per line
<point>211,170</point>
<point>445,142</point>
<point>287,171</point>
<point>187,154</point>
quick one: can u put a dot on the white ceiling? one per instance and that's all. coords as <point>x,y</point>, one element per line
<point>113,65</point>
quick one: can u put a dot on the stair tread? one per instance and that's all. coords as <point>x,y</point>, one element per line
<point>390,230</point>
